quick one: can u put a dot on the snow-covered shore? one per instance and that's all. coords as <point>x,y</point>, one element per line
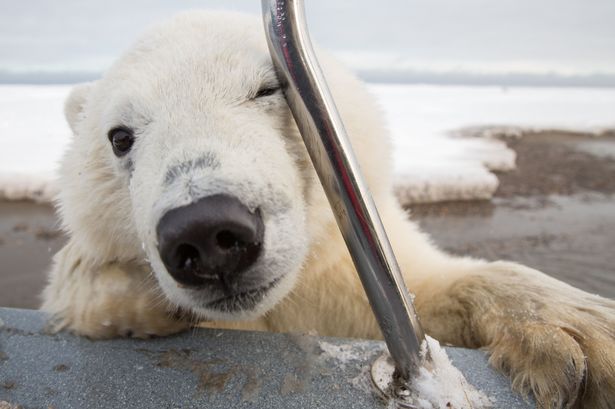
<point>433,162</point>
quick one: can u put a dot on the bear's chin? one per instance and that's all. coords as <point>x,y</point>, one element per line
<point>245,301</point>
<point>249,305</point>
<point>243,306</point>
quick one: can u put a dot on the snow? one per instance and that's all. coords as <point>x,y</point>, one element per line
<point>33,135</point>
<point>440,385</point>
<point>433,160</point>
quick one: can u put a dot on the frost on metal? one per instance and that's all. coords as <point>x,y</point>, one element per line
<point>441,385</point>
<point>343,353</point>
<point>437,385</point>
<point>353,355</point>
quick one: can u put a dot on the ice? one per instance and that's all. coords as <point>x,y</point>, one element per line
<point>439,385</point>
<point>433,162</point>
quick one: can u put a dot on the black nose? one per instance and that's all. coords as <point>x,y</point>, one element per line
<point>211,241</point>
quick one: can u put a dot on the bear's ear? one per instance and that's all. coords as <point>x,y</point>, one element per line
<point>73,107</point>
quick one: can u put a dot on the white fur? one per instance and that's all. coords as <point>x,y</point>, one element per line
<point>187,89</point>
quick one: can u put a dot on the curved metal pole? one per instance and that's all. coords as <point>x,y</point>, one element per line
<point>329,147</point>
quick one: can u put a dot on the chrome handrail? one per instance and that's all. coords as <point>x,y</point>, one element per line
<point>328,145</point>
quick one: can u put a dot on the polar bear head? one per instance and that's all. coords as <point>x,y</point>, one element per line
<point>185,155</point>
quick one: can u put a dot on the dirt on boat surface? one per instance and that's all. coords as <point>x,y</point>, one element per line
<point>555,213</point>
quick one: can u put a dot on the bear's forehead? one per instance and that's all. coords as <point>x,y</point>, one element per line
<point>219,50</point>
<point>193,62</point>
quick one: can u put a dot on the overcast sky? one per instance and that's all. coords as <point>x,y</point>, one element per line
<point>393,39</point>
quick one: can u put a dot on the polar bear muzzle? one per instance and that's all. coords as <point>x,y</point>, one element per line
<point>211,243</point>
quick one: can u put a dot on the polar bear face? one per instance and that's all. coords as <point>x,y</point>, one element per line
<point>185,154</point>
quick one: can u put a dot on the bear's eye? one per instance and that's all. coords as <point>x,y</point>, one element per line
<point>266,91</point>
<point>121,140</point>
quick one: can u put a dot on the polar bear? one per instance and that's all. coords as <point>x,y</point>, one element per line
<point>188,196</point>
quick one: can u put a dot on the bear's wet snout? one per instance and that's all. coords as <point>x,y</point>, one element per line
<point>210,242</point>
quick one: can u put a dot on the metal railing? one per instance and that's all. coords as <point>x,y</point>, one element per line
<point>328,145</point>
